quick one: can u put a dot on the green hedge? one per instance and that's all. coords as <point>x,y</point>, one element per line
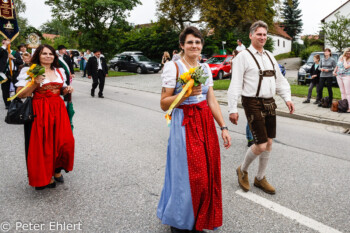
<point>306,52</point>
<point>284,56</point>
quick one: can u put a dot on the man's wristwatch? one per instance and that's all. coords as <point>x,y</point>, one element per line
<point>224,127</point>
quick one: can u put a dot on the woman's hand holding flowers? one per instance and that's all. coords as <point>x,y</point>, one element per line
<point>39,79</point>
<point>196,90</point>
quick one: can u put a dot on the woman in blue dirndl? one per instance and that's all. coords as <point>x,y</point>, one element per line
<point>191,197</point>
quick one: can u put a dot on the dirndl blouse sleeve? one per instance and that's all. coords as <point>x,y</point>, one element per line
<point>22,77</point>
<point>169,75</point>
<point>209,81</point>
<point>63,75</point>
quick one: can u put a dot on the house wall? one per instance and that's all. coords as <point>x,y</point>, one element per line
<point>281,44</point>
<point>345,11</point>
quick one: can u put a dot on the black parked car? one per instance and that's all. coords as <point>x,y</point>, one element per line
<point>113,61</point>
<point>134,63</point>
<point>304,71</point>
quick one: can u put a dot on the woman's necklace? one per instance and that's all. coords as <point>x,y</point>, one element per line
<point>189,63</point>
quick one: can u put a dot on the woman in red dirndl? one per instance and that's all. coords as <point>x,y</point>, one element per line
<point>51,143</point>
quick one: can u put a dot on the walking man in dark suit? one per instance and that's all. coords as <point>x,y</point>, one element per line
<point>97,69</point>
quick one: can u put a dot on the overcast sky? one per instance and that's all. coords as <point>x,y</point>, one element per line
<point>313,11</point>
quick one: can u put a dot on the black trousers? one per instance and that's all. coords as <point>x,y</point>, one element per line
<point>328,82</point>
<point>27,131</point>
<point>98,80</point>
<point>5,87</point>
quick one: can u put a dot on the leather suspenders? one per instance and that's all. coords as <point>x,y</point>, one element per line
<point>266,73</point>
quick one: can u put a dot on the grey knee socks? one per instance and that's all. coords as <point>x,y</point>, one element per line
<point>249,158</point>
<point>263,159</point>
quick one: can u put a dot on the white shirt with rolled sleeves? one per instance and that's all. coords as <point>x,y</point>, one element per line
<point>245,78</point>
<point>240,48</point>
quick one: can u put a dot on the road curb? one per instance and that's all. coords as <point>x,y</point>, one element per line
<point>303,117</point>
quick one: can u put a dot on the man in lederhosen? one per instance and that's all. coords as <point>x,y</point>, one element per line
<point>257,78</point>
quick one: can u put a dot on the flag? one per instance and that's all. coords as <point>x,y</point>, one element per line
<point>8,21</point>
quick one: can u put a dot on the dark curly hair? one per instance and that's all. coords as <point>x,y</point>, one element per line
<point>36,57</point>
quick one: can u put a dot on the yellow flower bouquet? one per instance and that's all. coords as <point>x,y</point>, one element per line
<point>34,71</point>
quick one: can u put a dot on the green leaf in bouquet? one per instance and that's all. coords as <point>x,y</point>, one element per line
<point>203,79</point>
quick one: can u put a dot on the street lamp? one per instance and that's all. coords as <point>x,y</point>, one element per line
<point>223,47</point>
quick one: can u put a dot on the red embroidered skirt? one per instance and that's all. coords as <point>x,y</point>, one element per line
<point>51,142</point>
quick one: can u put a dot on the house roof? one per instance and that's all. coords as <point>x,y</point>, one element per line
<point>146,25</point>
<point>50,36</point>
<point>278,31</point>
<point>316,37</point>
<point>322,20</point>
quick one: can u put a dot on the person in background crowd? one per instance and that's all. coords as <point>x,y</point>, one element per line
<point>342,72</point>
<point>327,65</point>
<point>82,62</point>
<point>191,199</point>
<point>87,56</point>
<point>5,83</point>
<point>18,61</point>
<point>257,78</point>
<point>315,80</point>
<point>165,58</point>
<point>51,141</point>
<point>234,53</point>
<point>22,48</point>
<point>240,47</point>
<point>26,61</point>
<point>176,56</point>
<point>10,71</point>
<point>27,126</point>
<point>66,62</point>
<point>97,70</point>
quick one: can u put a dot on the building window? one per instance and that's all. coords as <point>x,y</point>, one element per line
<point>278,42</point>
<point>284,45</point>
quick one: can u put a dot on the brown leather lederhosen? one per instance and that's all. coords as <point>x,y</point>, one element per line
<point>261,112</point>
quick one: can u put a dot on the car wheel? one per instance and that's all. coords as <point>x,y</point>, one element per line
<point>139,70</point>
<point>156,71</point>
<point>220,75</point>
<point>116,68</point>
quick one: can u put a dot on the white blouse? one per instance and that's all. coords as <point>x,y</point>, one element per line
<point>23,76</point>
<point>169,75</point>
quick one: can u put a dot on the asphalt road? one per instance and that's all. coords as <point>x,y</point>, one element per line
<point>119,171</point>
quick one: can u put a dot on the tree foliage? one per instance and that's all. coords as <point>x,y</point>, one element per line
<point>152,41</point>
<point>56,27</point>
<point>177,12</point>
<point>292,18</point>
<point>337,32</point>
<point>226,15</point>
<point>97,21</point>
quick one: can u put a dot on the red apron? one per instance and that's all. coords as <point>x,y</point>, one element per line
<point>51,142</point>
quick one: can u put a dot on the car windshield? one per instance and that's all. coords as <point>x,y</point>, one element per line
<point>141,58</point>
<point>311,57</point>
<point>215,60</point>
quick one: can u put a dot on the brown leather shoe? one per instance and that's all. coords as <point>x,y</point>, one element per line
<point>264,186</point>
<point>243,180</point>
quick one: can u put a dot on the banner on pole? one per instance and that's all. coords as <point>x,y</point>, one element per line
<point>8,20</point>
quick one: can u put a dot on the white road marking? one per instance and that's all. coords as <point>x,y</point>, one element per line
<point>306,221</point>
